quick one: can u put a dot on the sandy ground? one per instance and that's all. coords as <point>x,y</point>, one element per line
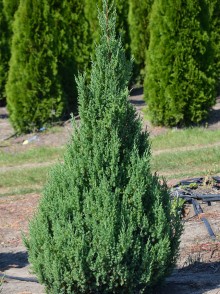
<point>198,268</point>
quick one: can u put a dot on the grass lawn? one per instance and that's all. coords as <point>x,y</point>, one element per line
<point>185,137</point>
<point>27,171</point>
<point>33,155</point>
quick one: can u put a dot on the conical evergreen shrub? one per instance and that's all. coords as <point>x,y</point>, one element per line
<point>72,39</point>
<point>180,74</point>
<point>104,223</point>
<point>215,12</point>
<point>138,18</point>
<point>7,10</point>
<point>4,52</point>
<point>34,92</point>
<point>48,49</point>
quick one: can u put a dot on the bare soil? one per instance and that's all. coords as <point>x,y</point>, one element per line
<point>198,267</point>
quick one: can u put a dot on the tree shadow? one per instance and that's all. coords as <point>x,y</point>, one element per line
<point>4,116</point>
<point>193,279</point>
<point>136,97</point>
<point>13,260</point>
<point>214,117</point>
<point>137,91</point>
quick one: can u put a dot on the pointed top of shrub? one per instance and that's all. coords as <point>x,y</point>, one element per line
<point>104,223</point>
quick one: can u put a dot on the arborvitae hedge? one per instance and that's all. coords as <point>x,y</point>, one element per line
<point>10,7</point>
<point>71,36</point>
<point>34,92</point>
<point>104,223</point>
<point>7,10</point>
<point>47,51</point>
<point>180,83</point>
<point>139,11</point>
<point>216,39</point>
<point>4,52</point>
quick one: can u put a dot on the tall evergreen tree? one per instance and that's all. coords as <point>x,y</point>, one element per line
<point>4,53</point>
<point>10,7</point>
<point>180,83</point>
<point>34,92</point>
<point>71,33</point>
<point>139,11</point>
<point>104,223</point>
<point>215,12</point>
<point>47,51</point>
<point>7,10</point>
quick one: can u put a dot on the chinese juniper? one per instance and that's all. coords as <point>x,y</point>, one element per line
<point>180,74</point>
<point>122,7</point>
<point>104,224</point>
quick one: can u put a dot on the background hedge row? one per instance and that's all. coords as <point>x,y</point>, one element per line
<point>175,45</point>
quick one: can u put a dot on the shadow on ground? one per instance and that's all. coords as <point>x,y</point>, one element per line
<point>4,116</point>
<point>13,260</point>
<point>214,117</point>
<point>198,278</point>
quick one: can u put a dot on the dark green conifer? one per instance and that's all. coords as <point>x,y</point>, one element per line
<point>4,52</point>
<point>104,223</point>
<point>215,12</point>
<point>7,10</point>
<point>73,45</point>
<point>139,11</point>
<point>34,92</point>
<point>179,82</point>
<point>10,7</point>
<point>47,51</point>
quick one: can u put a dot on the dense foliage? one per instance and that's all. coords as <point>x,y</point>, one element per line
<point>139,33</point>
<point>180,81</point>
<point>104,223</point>
<point>215,22</point>
<point>47,51</point>
<point>4,52</point>
<point>7,11</point>
<point>71,34</point>
<point>10,7</point>
<point>122,7</point>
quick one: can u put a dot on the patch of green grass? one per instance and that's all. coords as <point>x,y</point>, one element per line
<point>186,137</point>
<point>54,129</point>
<point>21,191</point>
<point>22,178</point>
<point>33,155</point>
<point>187,163</point>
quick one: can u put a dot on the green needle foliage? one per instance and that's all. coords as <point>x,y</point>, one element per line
<point>180,75</point>
<point>138,18</point>
<point>122,7</point>
<point>104,223</point>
